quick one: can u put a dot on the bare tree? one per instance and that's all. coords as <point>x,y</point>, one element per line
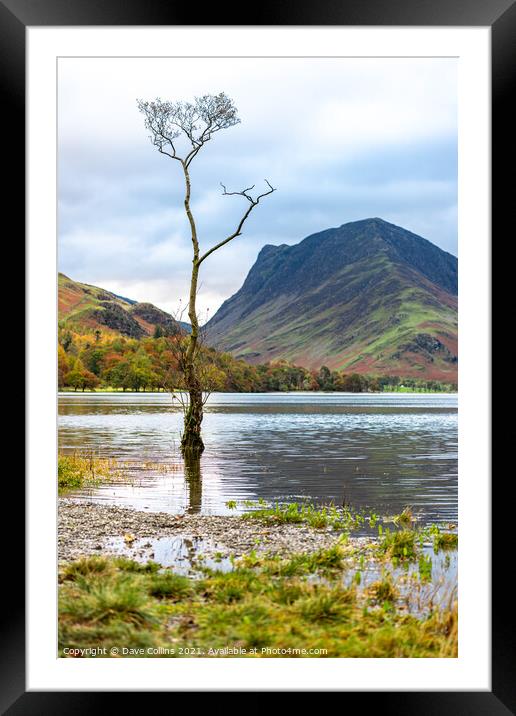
<point>194,124</point>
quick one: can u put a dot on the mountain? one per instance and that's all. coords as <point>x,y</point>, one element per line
<point>367,297</point>
<point>84,309</point>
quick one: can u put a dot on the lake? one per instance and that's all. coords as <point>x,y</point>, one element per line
<point>380,451</point>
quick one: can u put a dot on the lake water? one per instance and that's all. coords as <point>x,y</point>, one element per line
<point>379,451</point>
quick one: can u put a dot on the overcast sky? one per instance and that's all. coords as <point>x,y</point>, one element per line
<point>341,139</point>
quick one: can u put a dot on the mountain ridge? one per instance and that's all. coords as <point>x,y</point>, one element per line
<point>367,296</point>
<point>86,308</point>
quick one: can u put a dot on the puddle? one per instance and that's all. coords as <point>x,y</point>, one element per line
<point>436,591</point>
<point>185,554</point>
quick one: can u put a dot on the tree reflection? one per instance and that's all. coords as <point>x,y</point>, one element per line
<point>193,480</point>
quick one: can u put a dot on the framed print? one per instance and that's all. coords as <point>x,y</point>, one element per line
<point>258,375</point>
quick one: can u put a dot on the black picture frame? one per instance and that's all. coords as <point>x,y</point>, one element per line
<point>15,17</point>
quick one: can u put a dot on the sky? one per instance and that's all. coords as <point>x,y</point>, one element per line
<point>341,139</point>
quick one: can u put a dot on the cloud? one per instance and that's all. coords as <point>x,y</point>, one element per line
<point>342,139</point>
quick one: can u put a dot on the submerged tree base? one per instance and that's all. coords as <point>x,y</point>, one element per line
<point>192,447</point>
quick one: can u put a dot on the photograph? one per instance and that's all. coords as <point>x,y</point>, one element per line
<point>258,384</point>
<point>257,357</point>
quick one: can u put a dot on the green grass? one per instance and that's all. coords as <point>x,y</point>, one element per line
<point>405,518</point>
<point>425,568</point>
<point>446,540</point>
<point>85,567</point>
<point>265,605</point>
<point>303,563</point>
<point>170,586</point>
<point>383,592</point>
<point>400,545</point>
<point>83,469</point>
<point>344,519</point>
<point>108,600</point>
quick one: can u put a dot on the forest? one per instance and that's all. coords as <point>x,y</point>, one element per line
<point>106,362</point>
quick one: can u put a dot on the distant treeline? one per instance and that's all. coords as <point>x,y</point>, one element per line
<point>86,362</point>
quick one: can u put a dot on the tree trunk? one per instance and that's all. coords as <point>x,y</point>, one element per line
<point>191,441</point>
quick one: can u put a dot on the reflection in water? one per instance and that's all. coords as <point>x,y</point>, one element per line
<point>185,554</point>
<point>381,451</point>
<point>193,480</point>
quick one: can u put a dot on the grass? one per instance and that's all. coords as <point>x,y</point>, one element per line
<point>344,519</point>
<point>399,546</point>
<point>106,601</point>
<point>266,606</point>
<point>405,518</point>
<point>305,604</point>
<point>168,585</point>
<point>383,592</point>
<point>446,541</point>
<point>425,568</point>
<point>325,604</point>
<point>84,469</point>
<point>84,567</point>
<point>303,563</point>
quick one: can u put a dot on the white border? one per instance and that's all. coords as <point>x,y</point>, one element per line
<point>471,671</point>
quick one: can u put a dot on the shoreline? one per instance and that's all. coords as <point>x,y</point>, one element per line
<point>264,392</point>
<point>88,528</point>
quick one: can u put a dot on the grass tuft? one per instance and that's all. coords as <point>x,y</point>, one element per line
<point>399,545</point>
<point>445,541</point>
<point>343,519</point>
<point>85,567</point>
<point>169,585</point>
<point>325,605</point>
<point>130,565</point>
<point>84,469</point>
<point>106,601</point>
<point>383,591</point>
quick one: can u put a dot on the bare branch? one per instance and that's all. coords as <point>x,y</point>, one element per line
<point>238,231</point>
<point>238,193</point>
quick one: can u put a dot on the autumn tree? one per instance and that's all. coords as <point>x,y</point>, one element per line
<point>325,378</point>
<point>353,383</point>
<point>179,131</point>
<point>81,378</point>
<point>62,366</point>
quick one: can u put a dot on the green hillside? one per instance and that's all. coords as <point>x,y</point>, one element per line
<point>368,297</point>
<point>86,309</point>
